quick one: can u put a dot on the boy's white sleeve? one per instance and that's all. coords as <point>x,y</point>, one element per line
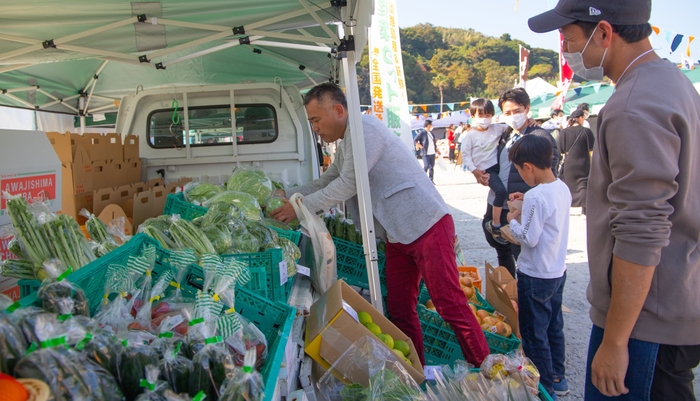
<point>466,150</point>
<point>529,231</point>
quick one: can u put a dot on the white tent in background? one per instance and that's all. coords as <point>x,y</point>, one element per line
<point>538,86</point>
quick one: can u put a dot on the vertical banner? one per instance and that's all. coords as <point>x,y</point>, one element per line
<point>388,86</point>
<point>566,75</point>
<point>524,64</point>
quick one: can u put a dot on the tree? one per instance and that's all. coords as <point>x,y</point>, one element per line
<point>540,70</point>
<point>440,81</point>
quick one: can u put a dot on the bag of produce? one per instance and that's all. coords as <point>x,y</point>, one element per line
<point>176,369</point>
<point>12,343</point>
<point>66,240</point>
<point>200,191</point>
<point>29,233</point>
<point>275,203</point>
<point>56,287</point>
<point>98,231</point>
<point>523,370</point>
<point>153,388</point>
<point>100,347</point>
<point>211,361</point>
<point>122,281</point>
<point>277,224</point>
<point>246,383</point>
<point>187,235</point>
<point>251,181</point>
<point>145,312</point>
<point>132,361</point>
<point>158,228</point>
<point>21,269</point>
<point>142,267</point>
<point>241,335</point>
<point>245,202</point>
<point>291,255</point>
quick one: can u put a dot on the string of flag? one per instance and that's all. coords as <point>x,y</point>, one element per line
<point>675,42</point>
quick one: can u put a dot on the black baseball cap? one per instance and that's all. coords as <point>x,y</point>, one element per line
<point>616,12</point>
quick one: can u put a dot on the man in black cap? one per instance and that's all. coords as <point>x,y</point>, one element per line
<point>643,198</point>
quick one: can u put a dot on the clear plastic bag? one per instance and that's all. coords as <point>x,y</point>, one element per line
<point>98,231</point>
<point>200,191</point>
<point>244,202</point>
<point>246,384</point>
<point>56,287</point>
<point>158,228</point>
<point>13,346</point>
<point>153,388</point>
<point>211,365</point>
<point>188,236</point>
<point>66,240</point>
<point>132,361</point>
<point>244,338</point>
<point>176,369</point>
<point>275,203</point>
<point>523,370</point>
<point>251,181</point>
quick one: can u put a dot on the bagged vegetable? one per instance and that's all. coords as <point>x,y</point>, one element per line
<point>56,287</point>
<point>132,361</point>
<point>241,336</point>
<point>122,281</point>
<point>244,202</point>
<point>142,267</point>
<point>200,191</point>
<point>144,314</point>
<point>21,269</point>
<point>102,348</point>
<point>154,389</point>
<point>291,255</point>
<point>523,370</point>
<point>29,233</point>
<point>211,365</point>
<point>264,234</point>
<point>187,235</point>
<point>220,238</point>
<point>246,384</point>
<point>277,224</point>
<point>175,308</point>
<point>12,343</point>
<point>65,239</point>
<point>251,181</point>
<point>275,203</point>
<point>158,228</point>
<point>175,369</point>
<point>98,231</point>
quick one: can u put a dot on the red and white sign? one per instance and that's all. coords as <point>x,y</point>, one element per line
<point>30,187</point>
<point>4,252</point>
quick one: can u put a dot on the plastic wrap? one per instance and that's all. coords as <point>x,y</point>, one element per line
<point>158,228</point>
<point>29,233</point>
<point>142,267</point>
<point>12,343</point>
<point>264,234</point>
<point>251,181</point>
<point>200,191</point>
<point>66,240</point>
<point>144,314</point>
<point>523,370</point>
<point>122,282</point>
<point>211,365</point>
<point>98,231</point>
<point>275,203</point>
<point>188,236</point>
<point>57,287</point>
<point>244,202</point>
<point>21,269</point>
<point>153,388</point>
<point>246,384</point>
<point>131,364</point>
<point>244,338</point>
<point>176,369</point>
<point>374,372</point>
<point>291,255</point>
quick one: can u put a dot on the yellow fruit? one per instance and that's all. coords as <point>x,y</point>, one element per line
<point>365,318</point>
<point>374,329</point>
<point>402,346</point>
<point>490,320</point>
<point>389,341</point>
<point>398,353</point>
<point>381,337</point>
<point>482,314</point>
<point>468,292</point>
<point>429,304</point>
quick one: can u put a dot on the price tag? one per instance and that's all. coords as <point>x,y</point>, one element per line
<point>429,371</point>
<point>283,273</point>
<point>303,270</point>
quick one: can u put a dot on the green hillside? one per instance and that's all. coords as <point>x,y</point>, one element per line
<point>464,62</point>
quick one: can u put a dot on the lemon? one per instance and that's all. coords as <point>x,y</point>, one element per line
<point>398,353</point>
<point>374,329</point>
<point>365,318</point>
<point>389,341</point>
<point>382,337</point>
<point>402,346</point>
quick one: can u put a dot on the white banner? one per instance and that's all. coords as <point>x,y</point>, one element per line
<point>387,83</point>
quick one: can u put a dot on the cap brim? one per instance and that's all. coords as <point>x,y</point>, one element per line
<point>548,21</point>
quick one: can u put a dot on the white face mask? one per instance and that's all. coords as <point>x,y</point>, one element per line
<point>575,61</point>
<point>515,121</point>
<point>482,123</point>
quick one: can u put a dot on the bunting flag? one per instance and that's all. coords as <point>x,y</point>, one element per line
<point>543,97</point>
<point>450,106</point>
<point>688,62</point>
<point>676,42</point>
<point>578,91</point>
<point>596,87</point>
<point>655,29</point>
<point>524,61</point>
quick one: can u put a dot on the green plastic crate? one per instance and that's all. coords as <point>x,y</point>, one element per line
<point>441,345</point>
<point>264,268</point>
<point>176,204</point>
<point>424,296</point>
<point>350,259</point>
<point>294,236</point>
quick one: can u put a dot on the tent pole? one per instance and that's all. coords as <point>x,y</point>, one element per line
<point>285,45</point>
<point>289,36</point>
<point>82,125</point>
<point>205,52</point>
<point>362,176</point>
<point>8,68</point>
<point>319,21</point>
<point>234,129</point>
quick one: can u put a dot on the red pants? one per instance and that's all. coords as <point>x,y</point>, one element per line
<point>432,258</point>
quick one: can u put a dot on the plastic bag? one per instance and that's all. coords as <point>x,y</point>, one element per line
<point>220,237</point>
<point>244,202</point>
<point>153,389</point>
<point>325,271</point>
<point>199,192</point>
<point>98,231</point>
<point>158,228</point>
<point>131,362</point>
<point>144,314</point>
<point>251,181</point>
<point>246,337</point>
<point>188,236</point>
<point>246,383</point>
<point>291,255</point>
<point>211,365</point>
<point>12,343</point>
<point>274,203</point>
<point>56,287</point>
<point>29,233</point>
<point>176,369</point>
<point>522,369</point>
<point>66,240</point>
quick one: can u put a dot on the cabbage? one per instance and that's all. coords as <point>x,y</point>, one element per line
<point>198,192</point>
<point>244,202</point>
<point>253,182</point>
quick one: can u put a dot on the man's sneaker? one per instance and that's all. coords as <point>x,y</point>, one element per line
<point>561,387</point>
<point>496,233</point>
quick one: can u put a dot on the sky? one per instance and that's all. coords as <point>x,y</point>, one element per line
<point>496,17</point>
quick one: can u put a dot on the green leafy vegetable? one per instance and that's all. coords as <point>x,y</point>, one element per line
<point>250,181</point>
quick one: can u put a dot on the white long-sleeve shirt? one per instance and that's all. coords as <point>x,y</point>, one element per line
<point>544,230</point>
<point>479,148</point>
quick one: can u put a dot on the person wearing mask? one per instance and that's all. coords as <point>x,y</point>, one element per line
<point>556,123</point>
<point>586,109</point>
<point>451,142</point>
<point>515,105</point>
<point>408,212</point>
<point>427,144</point>
<point>576,144</point>
<point>642,204</point>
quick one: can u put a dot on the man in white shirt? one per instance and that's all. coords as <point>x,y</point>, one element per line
<point>426,143</point>
<point>556,121</point>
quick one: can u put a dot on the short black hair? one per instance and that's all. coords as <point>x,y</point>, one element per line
<point>326,90</point>
<point>584,107</point>
<point>628,33</point>
<point>556,112</point>
<point>516,95</point>
<point>482,106</point>
<point>533,149</point>
<point>427,122</point>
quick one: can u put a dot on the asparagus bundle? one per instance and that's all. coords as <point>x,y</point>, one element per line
<point>28,230</point>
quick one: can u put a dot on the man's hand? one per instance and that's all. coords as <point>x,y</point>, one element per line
<point>609,368</point>
<point>516,196</point>
<point>482,177</point>
<point>419,146</point>
<point>531,122</point>
<point>513,215</point>
<point>284,213</point>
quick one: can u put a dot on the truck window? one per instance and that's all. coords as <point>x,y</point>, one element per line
<point>211,126</point>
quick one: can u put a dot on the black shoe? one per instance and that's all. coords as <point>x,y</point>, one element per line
<point>495,233</point>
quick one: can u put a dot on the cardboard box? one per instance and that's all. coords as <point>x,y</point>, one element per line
<point>97,147</point>
<point>62,145</point>
<point>113,147</point>
<point>131,147</point>
<point>100,174</point>
<point>113,212</point>
<point>332,327</point>
<point>501,288</point>
<point>29,167</point>
<point>132,170</point>
<point>117,174</point>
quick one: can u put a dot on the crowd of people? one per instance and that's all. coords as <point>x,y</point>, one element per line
<point>635,180</point>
